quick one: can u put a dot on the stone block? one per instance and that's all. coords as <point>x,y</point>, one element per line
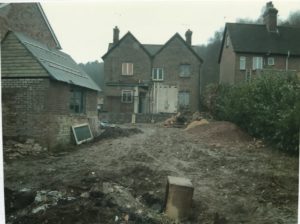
<point>179,196</point>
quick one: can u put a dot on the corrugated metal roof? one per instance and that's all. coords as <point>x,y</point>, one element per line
<point>59,65</point>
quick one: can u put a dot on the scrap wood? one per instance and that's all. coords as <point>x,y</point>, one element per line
<point>196,123</point>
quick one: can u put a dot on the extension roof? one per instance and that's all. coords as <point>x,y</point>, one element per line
<point>59,65</point>
<point>255,38</point>
<point>154,49</point>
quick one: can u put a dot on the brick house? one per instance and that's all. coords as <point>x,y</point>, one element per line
<point>44,91</point>
<point>248,50</point>
<point>148,78</point>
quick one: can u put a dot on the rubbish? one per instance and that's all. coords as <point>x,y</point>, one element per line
<point>175,121</point>
<point>196,123</point>
<point>40,208</point>
<point>85,195</point>
<point>116,218</point>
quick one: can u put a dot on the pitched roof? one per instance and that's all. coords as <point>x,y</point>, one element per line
<point>191,48</point>
<point>58,64</point>
<point>255,38</point>
<point>153,49</point>
<point>128,34</point>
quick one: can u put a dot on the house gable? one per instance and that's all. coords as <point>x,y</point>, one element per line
<point>178,38</point>
<point>127,36</point>
<point>28,18</point>
<point>17,61</point>
<point>127,50</point>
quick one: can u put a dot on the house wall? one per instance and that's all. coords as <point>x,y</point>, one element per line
<point>24,107</point>
<point>170,58</point>
<point>127,51</point>
<point>227,64</point>
<point>25,18</point>
<point>279,64</point>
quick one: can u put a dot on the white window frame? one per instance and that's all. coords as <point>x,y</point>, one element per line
<point>182,72</point>
<point>257,63</point>
<point>126,92</point>
<point>127,68</point>
<point>271,61</point>
<point>242,63</point>
<point>157,74</point>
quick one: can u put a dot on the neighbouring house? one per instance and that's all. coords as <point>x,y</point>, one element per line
<point>249,50</point>
<point>149,78</point>
<point>44,91</point>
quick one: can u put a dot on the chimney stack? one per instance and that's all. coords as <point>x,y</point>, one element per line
<point>116,35</point>
<point>270,17</point>
<point>188,37</point>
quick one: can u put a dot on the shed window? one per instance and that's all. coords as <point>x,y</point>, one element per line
<point>257,63</point>
<point>77,101</point>
<point>271,61</point>
<point>127,68</point>
<point>158,74</point>
<point>183,99</point>
<point>185,70</point>
<point>127,96</point>
<point>242,63</point>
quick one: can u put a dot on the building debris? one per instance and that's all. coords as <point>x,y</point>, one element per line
<point>15,149</point>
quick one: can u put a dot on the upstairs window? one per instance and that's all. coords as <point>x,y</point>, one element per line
<point>271,61</point>
<point>157,74</point>
<point>184,99</point>
<point>127,69</point>
<point>127,96</point>
<point>77,101</point>
<point>257,63</point>
<point>185,70</point>
<point>242,63</point>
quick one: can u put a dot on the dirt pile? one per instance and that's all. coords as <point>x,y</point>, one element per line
<point>14,149</point>
<point>221,132</point>
<point>116,132</point>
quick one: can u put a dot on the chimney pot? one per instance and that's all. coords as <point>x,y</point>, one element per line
<point>188,37</point>
<point>116,35</point>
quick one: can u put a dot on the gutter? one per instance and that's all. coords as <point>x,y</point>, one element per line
<point>287,61</point>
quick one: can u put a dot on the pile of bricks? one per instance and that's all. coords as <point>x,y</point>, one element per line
<point>13,149</point>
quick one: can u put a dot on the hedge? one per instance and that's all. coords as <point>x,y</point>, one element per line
<point>267,107</point>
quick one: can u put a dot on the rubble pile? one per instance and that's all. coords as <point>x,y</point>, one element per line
<point>185,119</point>
<point>116,132</point>
<point>14,149</point>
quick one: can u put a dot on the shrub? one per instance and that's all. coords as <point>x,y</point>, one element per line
<point>268,107</point>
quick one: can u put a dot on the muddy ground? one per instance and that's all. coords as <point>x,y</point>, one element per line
<point>236,180</point>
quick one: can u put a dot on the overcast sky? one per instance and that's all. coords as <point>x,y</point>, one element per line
<point>84,29</point>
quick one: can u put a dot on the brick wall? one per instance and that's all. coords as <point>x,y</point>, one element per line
<point>24,107</point>
<point>227,64</point>
<point>39,108</point>
<point>26,18</point>
<point>170,58</point>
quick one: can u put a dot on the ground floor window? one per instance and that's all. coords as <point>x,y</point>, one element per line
<point>127,96</point>
<point>183,99</point>
<point>257,63</point>
<point>77,101</point>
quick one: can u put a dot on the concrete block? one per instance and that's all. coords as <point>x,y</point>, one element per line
<point>179,196</point>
